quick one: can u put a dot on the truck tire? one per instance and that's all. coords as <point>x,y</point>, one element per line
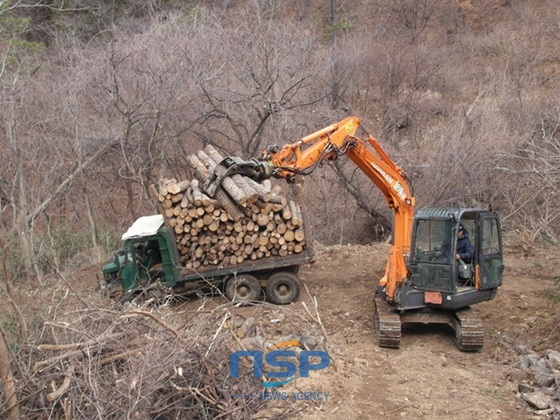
<point>282,288</point>
<point>243,288</point>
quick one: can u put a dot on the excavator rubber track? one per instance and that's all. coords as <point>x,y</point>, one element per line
<point>387,324</point>
<point>466,322</point>
<point>469,330</point>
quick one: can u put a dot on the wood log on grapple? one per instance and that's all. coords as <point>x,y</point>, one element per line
<point>244,220</point>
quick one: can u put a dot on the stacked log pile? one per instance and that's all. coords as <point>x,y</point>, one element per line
<point>245,220</point>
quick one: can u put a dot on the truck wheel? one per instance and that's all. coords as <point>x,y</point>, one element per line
<point>282,288</point>
<point>243,289</point>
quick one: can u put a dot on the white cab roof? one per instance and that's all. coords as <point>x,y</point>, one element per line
<point>144,226</point>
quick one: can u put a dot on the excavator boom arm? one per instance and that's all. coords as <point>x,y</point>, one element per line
<point>340,139</point>
<point>328,144</point>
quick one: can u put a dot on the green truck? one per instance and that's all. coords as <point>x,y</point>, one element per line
<point>148,262</point>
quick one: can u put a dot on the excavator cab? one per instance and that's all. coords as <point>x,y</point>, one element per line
<point>436,278</point>
<point>440,288</point>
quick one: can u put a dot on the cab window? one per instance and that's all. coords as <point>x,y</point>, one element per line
<point>490,236</point>
<point>433,240</point>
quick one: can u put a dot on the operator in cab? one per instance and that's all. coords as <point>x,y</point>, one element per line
<point>464,249</point>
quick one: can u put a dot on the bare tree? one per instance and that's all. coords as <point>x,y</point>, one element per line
<point>250,79</point>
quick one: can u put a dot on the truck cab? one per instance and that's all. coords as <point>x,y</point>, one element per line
<point>146,255</point>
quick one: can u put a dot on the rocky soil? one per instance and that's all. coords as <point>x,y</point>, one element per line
<point>516,375</point>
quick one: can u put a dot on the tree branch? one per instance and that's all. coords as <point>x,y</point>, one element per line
<point>66,183</point>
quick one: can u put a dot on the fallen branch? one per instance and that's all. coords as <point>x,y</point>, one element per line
<point>110,359</point>
<point>217,332</point>
<point>43,363</point>
<point>153,317</point>
<point>317,318</point>
<point>65,384</point>
<point>96,341</point>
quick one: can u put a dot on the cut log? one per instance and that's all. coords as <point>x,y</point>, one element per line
<point>263,219</point>
<point>178,188</point>
<point>287,213</point>
<point>296,213</point>
<point>263,190</point>
<point>289,236</point>
<point>241,181</point>
<point>196,193</point>
<point>164,184</point>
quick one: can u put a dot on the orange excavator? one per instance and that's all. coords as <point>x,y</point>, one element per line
<point>426,279</point>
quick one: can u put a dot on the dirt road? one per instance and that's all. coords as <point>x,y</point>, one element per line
<point>428,377</point>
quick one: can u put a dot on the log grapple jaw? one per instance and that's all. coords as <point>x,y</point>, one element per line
<point>231,165</point>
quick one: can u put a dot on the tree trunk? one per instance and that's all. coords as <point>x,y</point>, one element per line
<point>11,403</point>
<point>22,207</point>
<point>93,227</point>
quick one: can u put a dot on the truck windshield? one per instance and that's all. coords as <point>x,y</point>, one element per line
<point>125,255</point>
<point>120,257</point>
<point>433,241</point>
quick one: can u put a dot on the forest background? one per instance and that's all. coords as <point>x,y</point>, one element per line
<point>102,98</point>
